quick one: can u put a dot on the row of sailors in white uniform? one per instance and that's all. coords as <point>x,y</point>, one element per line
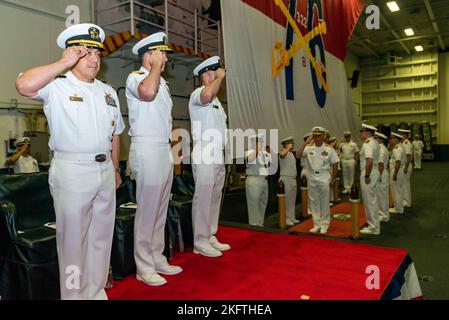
<point>257,172</point>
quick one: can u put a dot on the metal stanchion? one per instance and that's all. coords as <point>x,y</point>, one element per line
<point>354,199</point>
<point>281,203</point>
<point>304,198</point>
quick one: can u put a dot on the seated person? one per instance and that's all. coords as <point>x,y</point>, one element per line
<point>21,161</point>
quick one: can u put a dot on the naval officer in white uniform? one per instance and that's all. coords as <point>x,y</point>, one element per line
<point>150,159</point>
<point>418,147</point>
<point>22,161</point>
<point>85,122</point>
<point>397,161</point>
<point>384,178</point>
<point>288,175</point>
<point>209,134</point>
<point>369,178</point>
<point>349,155</point>
<point>408,168</point>
<point>320,157</point>
<point>256,184</point>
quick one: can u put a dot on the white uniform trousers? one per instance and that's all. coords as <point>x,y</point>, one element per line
<point>417,157</point>
<point>151,165</point>
<point>319,193</point>
<point>369,196</point>
<point>383,195</point>
<point>83,193</point>
<point>407,193</point>
<point>209,182</point>
<point>256,199</point>
<point>348,168</point>
<point>291,190</point>
<point>396,190</point>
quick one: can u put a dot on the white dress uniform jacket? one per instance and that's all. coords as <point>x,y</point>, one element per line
<point>82,118</point>
<point>408,149</point>
<point>370,149</point>
<point>382,189</point>
<point>151,164</point>
<point>320,160</point>
<point>397,154</point>
<point>26,165</point>
<point>347,157</point>
<point>288,175</point>
<point>418,147</point>
<point>257,187</point>
<point>209,133</point>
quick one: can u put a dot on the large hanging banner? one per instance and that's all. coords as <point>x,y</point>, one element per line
<point>285,64</point>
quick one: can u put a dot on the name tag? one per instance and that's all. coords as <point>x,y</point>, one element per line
<point>76,99</point>
<point>324,153</point>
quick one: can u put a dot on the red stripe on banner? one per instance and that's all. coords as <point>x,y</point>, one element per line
<point>340,16</point>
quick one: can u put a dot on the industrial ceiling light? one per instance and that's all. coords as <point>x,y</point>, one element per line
<point>393,6</point>
<point>419,48</point>
<point>409,32</point>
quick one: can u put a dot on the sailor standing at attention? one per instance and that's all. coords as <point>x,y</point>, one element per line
<point>369,178</point>
<point>320,158</point>
<point>408,149</point>
<point>349,155</point>
<point>384,182</point>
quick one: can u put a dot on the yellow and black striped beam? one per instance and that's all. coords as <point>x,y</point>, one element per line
<point>115,42</point>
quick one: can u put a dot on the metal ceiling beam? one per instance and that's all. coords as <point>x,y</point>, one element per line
<point>424,36</point>
<point>355,39</point>
<point>394,33</point>
<point>434,24</point>
<point>390,28</point>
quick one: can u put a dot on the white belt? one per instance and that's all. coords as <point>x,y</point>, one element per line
<point>157,140</point>
<point>83,157</point>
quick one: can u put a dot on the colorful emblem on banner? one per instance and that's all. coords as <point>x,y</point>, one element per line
<point>312,42</point>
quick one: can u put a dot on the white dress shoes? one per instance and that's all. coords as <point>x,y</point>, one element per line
<point>169,269</point>
<point>208,252</point>
<point>152,279</point>
<point>218,245</point>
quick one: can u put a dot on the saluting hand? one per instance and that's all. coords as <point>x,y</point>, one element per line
<point>158,59</point>
<point>221,73</point>
<point>72,55</point>
<point>309,139</point>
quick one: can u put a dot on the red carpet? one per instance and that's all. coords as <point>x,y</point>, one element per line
<point>337,228</point>
<point>266,266</point>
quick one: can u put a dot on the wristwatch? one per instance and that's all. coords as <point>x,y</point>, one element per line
<point>118,170</point>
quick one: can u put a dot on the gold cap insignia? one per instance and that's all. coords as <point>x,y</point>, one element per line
<point>94,33</point>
